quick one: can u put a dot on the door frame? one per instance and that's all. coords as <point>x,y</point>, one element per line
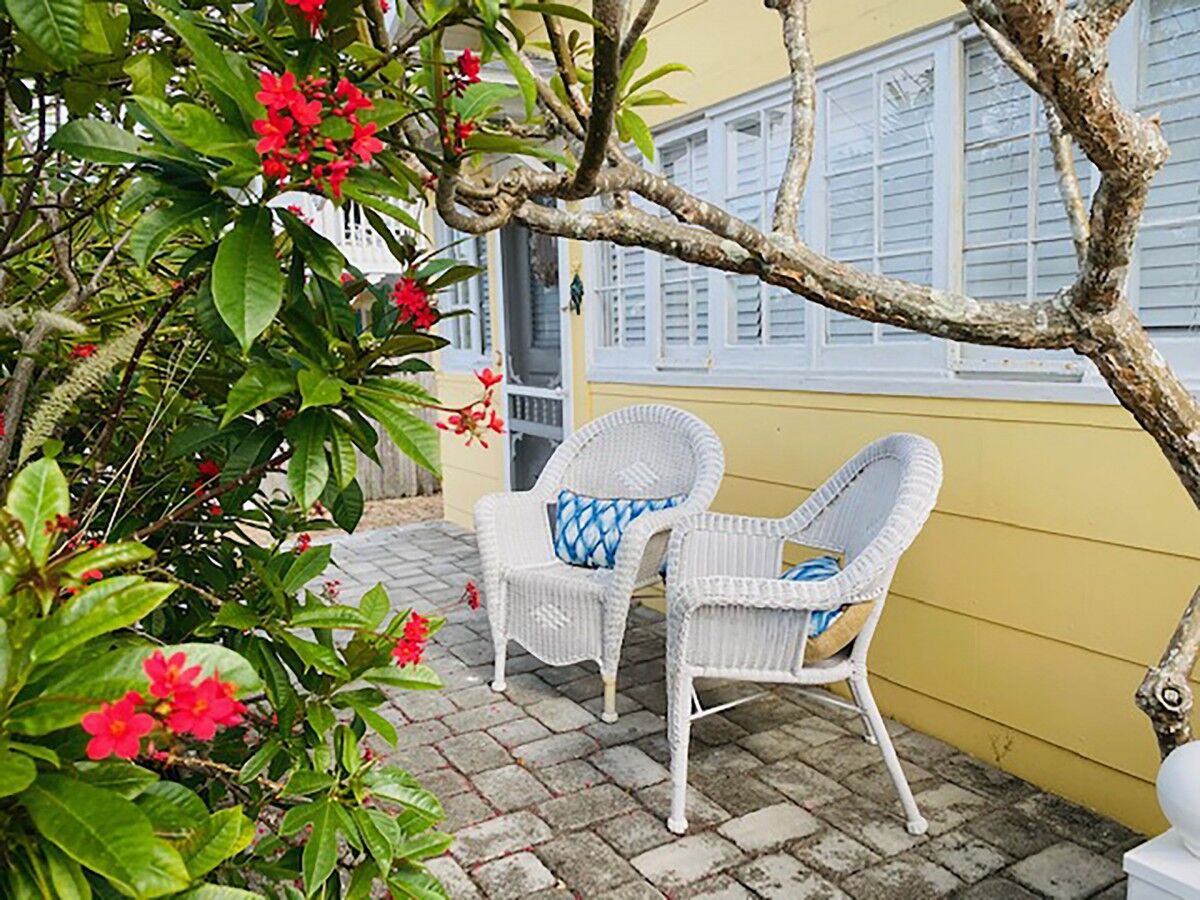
<point>565,341</point>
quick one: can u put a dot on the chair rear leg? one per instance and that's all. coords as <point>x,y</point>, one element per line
<point>915,824</point>
<point>679,728</point>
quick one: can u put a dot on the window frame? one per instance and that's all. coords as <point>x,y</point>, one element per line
<point>463,360</point>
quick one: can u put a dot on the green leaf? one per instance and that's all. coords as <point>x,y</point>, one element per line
<point>223,835</point>
<point>171,807</point>
<point>656,74</point>
<point>329,617</point>
<point>396,786</point>
<point>409,678</point>
<point>200,130</point>
<point>56,26</point>
<point>525,82</point>
<point>352,190</point>
<point>247,283</point>
<point>632,63</point>
<point>308,469</point>
<point>259,760</point>
<point>98,609</point>
<point>376,841</point>
<point>234,615</point>
<point>105,833</point>
<point>316,656</point>
<point>107,556</point>
<point>343,460</point>
<point>416,438</point>
<point>321,254</point>
<point>632,127</point>
<point>320,716</point>
<point>149,73</point>
<point>259,385</point>
<point>424,845</point>
<point>66,876</point>
<point>35,497</point>
<point>373,719</point>
<point>122,778</point>
<point>307,566</point>
<point>374,605</point>
<point>16,772</point>
<point>212,64</point>
<point>96,141</point>
<point>151,230</point>
<point>219,892</point>
<point>320,851</point>
<point>348,507</point>
<point>306,781</point>
<point>319,388</point>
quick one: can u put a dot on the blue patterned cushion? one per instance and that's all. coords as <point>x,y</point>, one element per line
<point>817,569</point>
<point>588,529</point>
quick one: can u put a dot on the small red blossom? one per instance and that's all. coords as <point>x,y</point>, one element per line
<point>117,728</point>
<point>471,594</point>
<point>60,524</point>
<point>208,468</point>
<point>489,379</point>
<point>412,300</point>
<point>406,652</point>
<point>496,423</point>
<point>199,710</point>
<point>466,72</point>
<point>365,144</point>
<point>331,589</point>
<point>273,132</point>
<point>347,278</point>
<point>82,351</point>
<point>303,542</point>
<point>384,5</point>
<point>91,575</point>
<point>169,674</point>
<point>353,99</point>
<point>313,11</point>
<point>277,91</point>
<point>214,509</point>
<point>416,628</point>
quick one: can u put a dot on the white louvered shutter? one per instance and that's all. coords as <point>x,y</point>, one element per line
<point>683,288</point>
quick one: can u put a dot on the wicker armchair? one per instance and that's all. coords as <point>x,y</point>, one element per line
<point>562,613</point>
<point>730,616</point>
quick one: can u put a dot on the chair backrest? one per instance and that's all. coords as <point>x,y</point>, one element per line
<point>873,507</point>
<point>639,452</point>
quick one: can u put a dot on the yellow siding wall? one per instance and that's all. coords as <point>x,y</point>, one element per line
<point>1062,548</point>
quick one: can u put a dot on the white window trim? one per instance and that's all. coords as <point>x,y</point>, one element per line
<point>462,360</point>
<point>933,368</point>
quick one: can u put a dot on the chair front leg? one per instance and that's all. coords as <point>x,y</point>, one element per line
<point>679,728</point>
<point>915,823</point>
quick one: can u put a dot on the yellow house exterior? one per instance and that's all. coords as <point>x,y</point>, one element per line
<point>1062,548</point>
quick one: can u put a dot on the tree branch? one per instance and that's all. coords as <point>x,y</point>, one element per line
<point>606,66</point>
<point>639,24</point>
<point>794,14</point>
<point>1165,695</point>
<point>1068,181</point>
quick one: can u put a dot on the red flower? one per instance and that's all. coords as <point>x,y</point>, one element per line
<point>303,542</point>
<point>82,351</point>
<point>167,675</point>
<point>337,174</point>
<point>463,129</point>
<point>214,509</point>
<point>274,168</point>
<point>496,423</point>
<point>407,651</point>
<point>305,112</point>
<point>313,11</point>
<point>468,66</point>
<point>352,98</point>
<point>489,379</point>
<point>208,468</point>
<point>60,524</point>
<point>91,575</point>
<point>412,300</point>
<point>416,628</point>
<point>384,5</point>
<point>199,710</point>
<point>471,594</point>
<point>273,131</point>
<point>277,91</point>
<point>365,144</point>
<point>117,728</point>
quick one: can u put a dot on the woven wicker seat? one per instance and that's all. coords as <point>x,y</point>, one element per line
<point>730,616</point>
<point>565,614</point>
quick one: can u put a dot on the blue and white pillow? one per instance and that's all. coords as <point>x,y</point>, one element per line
<point>588,529</point>
<point>817,569</point>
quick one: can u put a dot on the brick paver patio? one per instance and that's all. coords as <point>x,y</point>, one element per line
<point>789,802</point>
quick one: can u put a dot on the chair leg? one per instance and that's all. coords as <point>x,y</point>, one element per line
<point>868,733</point>
<point>610,699</point>
<point>498,683</point>
<point>679,728</point>
<point>916,824</point>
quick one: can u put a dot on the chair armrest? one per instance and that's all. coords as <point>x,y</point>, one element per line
<point>685,596</point>
<point>512,530</point>
<point>711,544</point>
<point>633,565</point>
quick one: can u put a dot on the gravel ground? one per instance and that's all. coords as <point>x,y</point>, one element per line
<point>403,511</point>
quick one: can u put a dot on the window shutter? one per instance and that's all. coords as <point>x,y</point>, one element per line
<point>485,303</point>
<point>1169,85</point>
<point>682,287</point>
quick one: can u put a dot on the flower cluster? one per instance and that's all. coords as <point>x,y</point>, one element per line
<point>480,417</point>
<point>82,351</point>
<point>296,138</point>
<point>207,470</point>
<point>410,647</point>
<point>303,542</point>
<point>178,705</point>
<point>312,11</point>
<point>458,130</point>
<point>470,594</point>
<point>412,300</point>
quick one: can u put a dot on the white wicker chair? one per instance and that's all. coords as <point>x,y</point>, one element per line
<point>729,615</point>
<point>564,614</point>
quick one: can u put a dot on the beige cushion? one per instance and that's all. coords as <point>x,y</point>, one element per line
<point>842,631</point>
